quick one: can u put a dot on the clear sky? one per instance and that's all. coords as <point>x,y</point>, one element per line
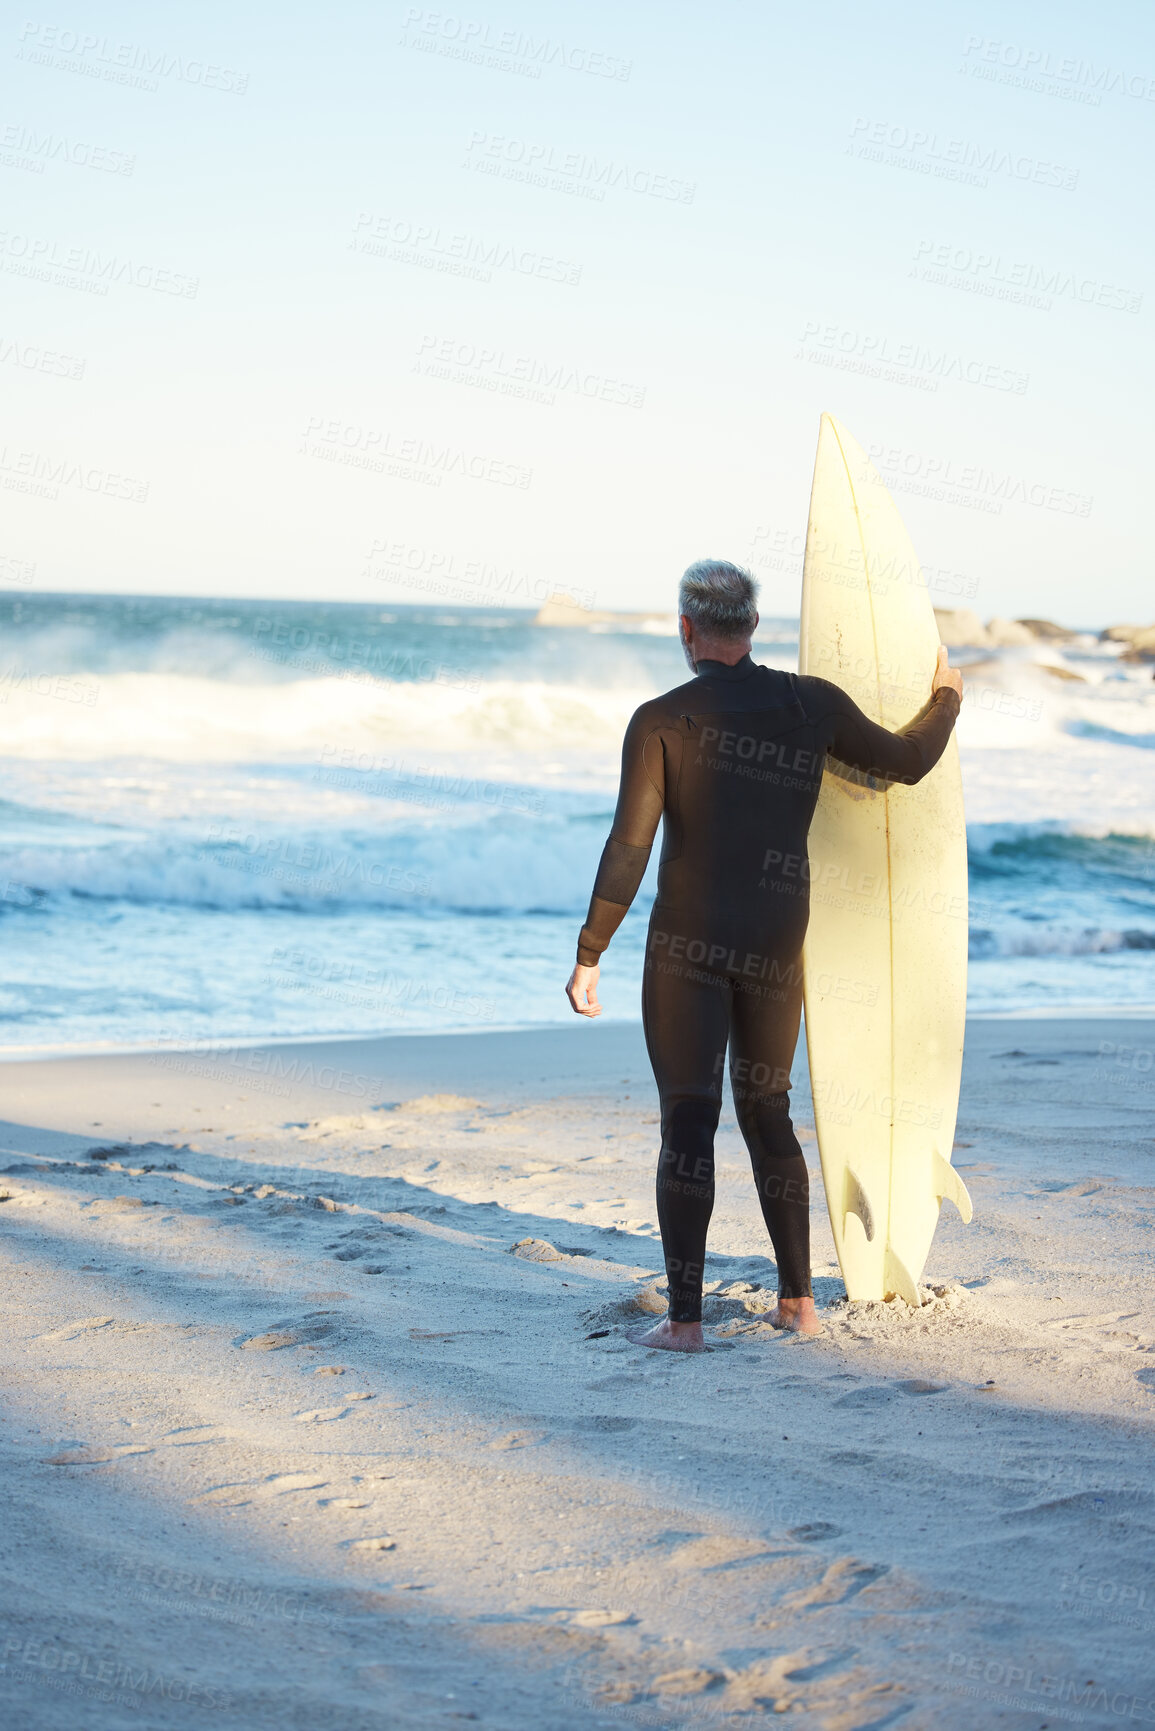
<point>561,291</point>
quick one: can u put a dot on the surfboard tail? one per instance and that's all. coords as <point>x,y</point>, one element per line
<point>948,1186</point>
<point>856,1201</point>
<point>897,1280</point>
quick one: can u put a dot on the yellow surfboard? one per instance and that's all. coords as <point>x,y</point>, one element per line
<point>884,966</point>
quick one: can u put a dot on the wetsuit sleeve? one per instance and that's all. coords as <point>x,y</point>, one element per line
<point>905,756</point>
<point>641,796</point>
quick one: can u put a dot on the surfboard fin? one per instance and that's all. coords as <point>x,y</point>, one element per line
<point>948,1184</point>
<point>856,1201</point>
<point>896,1279</point>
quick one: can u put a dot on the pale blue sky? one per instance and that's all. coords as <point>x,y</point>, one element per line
<point>858,190</point>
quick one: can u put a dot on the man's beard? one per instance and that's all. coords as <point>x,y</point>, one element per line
<point>690,662</point>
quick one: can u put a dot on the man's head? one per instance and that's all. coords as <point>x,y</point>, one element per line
<point>717,611</point>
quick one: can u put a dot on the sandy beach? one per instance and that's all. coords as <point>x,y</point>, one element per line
<point>321,1412</point>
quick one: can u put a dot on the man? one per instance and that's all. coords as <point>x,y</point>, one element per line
<point>732,761</point>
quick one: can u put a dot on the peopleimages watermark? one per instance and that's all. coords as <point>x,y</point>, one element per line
<point>478,581</point>
<point>95,56</point>
<point>1017,280</point>
<point>571,171</point>
<point>972,484</point>
<point>63,687</point>
<point>1110,1601</point>
<point>79,267</point>
<point>927,152</point>
<point>840,1104</point>
<point>31,358</point>
<point>1027,1687</point>
<point>127,1682</point>
<point>360,986</point>
<point>304,867</point>
<point>42,476</point>
<point>22,571</point>
<point>404,456</point>
<point>262,1070</point>
<point>1128,1066</point>
<point>373,772</point>
<point>916,364</point>
<point>522,376</point>
<point>25,148</point>
<point>483,44</point>
<point>454,253</point>
<point>332,654</point>
<point>1050,74</point>
<point>276,1062</point>
<point>786,550</point>
<point>213,1596</point>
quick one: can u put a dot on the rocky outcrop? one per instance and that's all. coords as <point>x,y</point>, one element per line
<point>1009,634</point>
<point>1046,631</point>
<point>562,609</point>
<point>1140,641</point>
<point>959,628</point>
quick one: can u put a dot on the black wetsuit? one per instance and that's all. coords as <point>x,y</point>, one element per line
<point>733,762</point>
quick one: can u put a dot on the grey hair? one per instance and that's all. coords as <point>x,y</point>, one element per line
<point>720,599</point>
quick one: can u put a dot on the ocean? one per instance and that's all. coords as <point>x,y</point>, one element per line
<point>226,821</point>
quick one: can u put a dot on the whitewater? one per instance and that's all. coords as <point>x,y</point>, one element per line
<point>231,820</point>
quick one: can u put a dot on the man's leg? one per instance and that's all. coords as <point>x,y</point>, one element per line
<point>685,1197</point>
<point>765,1033</point>
<point>686,1018</point>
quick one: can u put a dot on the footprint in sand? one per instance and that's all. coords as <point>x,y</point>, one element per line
<point>239,1495</point>
<point>73,1330</point>
<point>692,1680</point>
<point>92,1457</point>
<point>226,1496</point>
<point>330,1370</point>
<point>378,1544</point>
<point>518,1439</point>
<point>811,1532</point>
<point>188,1436</point>
<point>819,1669</point>
<point>718,1551</point>
<point>342,1503</point>
<point>615,1695</point>
<point>321,1415</point>
<point>879,1395</point>
<point>841,1580</point>
<point>601,1619</point>
<point>286,1334</point>
<point>1083,1322</point>
<point>536,1250</point>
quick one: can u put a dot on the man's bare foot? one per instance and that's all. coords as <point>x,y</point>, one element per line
<point>670,1336</point>
<point>797,1315</point>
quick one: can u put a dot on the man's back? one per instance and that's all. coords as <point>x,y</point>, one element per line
<point>733,761</point>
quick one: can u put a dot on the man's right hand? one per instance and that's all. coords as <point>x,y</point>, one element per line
<point>582,990</point>
<point>945,674</point>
